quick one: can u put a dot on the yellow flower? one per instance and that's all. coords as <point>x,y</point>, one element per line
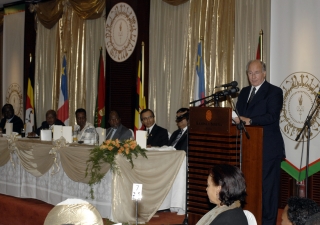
<point>102,147</point>
<point>127,151</point>
<point>110,148</point>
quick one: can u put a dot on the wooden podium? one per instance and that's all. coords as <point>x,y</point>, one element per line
<point>214,140</point>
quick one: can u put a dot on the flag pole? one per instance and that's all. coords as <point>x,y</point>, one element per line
<point>261,45</point>
<point>142,69</point>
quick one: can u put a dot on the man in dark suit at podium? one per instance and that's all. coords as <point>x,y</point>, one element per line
<point>157,136</point>
<point>179,138</point>
<point>260,104</point>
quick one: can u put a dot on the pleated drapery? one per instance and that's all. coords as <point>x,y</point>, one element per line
<point>229,28</point>
<point>80,41</point>
<point>230,31</point>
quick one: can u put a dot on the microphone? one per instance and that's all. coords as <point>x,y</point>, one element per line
<point>233,84</point>
<point>227,92</point>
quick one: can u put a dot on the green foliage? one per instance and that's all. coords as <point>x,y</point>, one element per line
<point>107,153</point>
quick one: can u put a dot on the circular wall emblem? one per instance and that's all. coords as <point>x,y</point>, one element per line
<point>121,32</point>
<point>300,91</point>
<point>14,97</point>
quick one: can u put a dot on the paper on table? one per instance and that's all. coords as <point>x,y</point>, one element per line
<point>57,132</point>
<point>67,133</point>
<point>46,135</point>
<point>141,138</point>
<point>234,115</point>
<point>163,148</point>
<point>9,127</point>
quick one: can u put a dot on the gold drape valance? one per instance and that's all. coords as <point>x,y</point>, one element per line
<point>175,2</point>
<point>50,12</point>
<point>88,9</point>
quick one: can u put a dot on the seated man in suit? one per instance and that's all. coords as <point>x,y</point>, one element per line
<point>117,130</point>
<point>157,136</point>
<point>51,120</point>
<point>9,117</point>
<point>86,131</point>
<point>179,138</point>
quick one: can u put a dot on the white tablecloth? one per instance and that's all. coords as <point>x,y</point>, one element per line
<point>15,181</point>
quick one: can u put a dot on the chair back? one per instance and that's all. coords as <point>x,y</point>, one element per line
<point>102,134</point>
<point>132,134</point>
<point>250,217</point>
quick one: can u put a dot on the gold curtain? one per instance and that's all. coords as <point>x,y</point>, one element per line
<point>80,42</point>
<point>214,21</point>
<point>50,12</point>
<point>88,9</point>
<point>175,2</point>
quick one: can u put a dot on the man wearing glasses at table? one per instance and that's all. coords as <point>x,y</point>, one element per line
<point>157,136</point>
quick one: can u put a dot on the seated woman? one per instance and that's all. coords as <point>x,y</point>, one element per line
<point>227,189</point>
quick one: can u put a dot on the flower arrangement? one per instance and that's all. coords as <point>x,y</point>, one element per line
<point>107,153</point>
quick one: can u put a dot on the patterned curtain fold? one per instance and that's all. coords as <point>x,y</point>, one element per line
<point>50,12</point>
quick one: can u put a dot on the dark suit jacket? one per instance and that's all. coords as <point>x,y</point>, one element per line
<point>231,217</point>
<point>45,125</point>
<point>264,110</point>
<point>17,124</point>
<point>182,144</point>
<point>158,136</point>
<point>122,133</point>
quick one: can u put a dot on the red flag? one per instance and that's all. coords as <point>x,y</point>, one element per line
<point>99,120</point>
<point>258,55</point>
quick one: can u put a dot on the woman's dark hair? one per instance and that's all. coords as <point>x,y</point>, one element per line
<point>232,182</point>
<point>300,209</point>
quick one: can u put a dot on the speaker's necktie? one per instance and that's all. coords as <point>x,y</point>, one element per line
<point>253,93</point>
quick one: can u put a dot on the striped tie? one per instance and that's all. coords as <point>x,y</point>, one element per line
<point>177,139</point>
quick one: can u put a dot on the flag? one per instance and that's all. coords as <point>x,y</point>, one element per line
<point>140,99</point>
<point>258,55</point>
<point>200,80</point>
<point>63,107</point>
<point>99,120</point>
<point>29,119</point>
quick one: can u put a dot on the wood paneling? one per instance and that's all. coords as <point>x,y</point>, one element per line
<point>207,149</point>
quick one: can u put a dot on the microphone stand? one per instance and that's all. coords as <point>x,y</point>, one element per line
<point>307,123</point>
<point>185,221</point>
<point>240,127</point>
<point>195,101</point>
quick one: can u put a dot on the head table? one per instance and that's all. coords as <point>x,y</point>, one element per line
<point>30,168</point>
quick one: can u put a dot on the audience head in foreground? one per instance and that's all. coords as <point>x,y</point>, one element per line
<point>298,211</point>
<point>226,187</point>
<point>314,219</point>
